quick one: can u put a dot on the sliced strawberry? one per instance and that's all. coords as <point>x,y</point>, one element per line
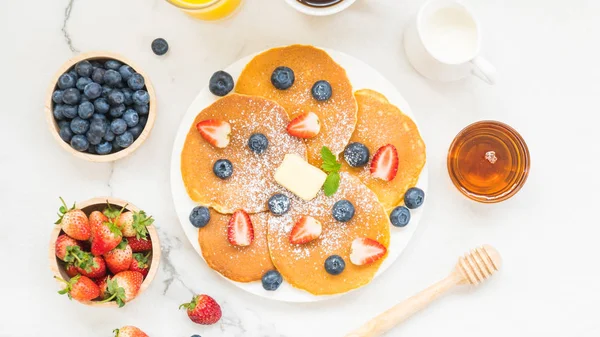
<point>240,231</point>
<point>366,251</point>
<point>305,230</point>
<point>306,125</point>
<point>385,163</point>
<point>215,132</point>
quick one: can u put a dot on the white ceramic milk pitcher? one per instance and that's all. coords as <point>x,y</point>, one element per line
<point>443,43</point>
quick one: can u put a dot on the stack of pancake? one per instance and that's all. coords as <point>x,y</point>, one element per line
<point>257,106</point>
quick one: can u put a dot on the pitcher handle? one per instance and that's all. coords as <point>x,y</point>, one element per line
<point>483,69</point>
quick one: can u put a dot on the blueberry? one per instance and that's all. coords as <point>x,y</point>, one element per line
<point>118,126</point>
<point>98,75</point>
<point>91,150</point>
<point>196,336</point>
<point>93,138</point>
<point>58,112</point>
<point>136,82</point>
<point>282,78</point>
<point>92,90</point>
<point>104,148</point>
<point>57,97</point>
<point>65,133</point>
<point>124,140</point>
<point>84,99</point>
<point>96,64</point>
<point>100,117</point>
<point>66,81</point>
<point>116,97</point>
<point>106,89</point>
<point>343,211</point>
<point>321,91</point>
<point>279,204</point>
<point>82,82</point>
<point>220,83</point>
<point>79,143</point>
<point>335,265</point>
<point>79,126</point>
<point>98,127</point>
<point>140,97</point>
<point>356,154</point>
<point>61,124</point>
<point>84,68</point>
<point>109,136</point>
<point>85,110</point>
<point>160,46</point>
<point>74,74</point>
<point>143,120</point>
<point>117,111</point>
<point>131,117</point>
<point>127,94</point>
<point>223,168</point>
<point>258,143</point>
<point>126,72</point>
<point>142,109</point>
<point>271,280</point>
<point>136,131</point>
<point>112,77</point>
<point>414,197</point>
<point>200,216</point>
<point>101,105</point>
<point>400,216</point>
<point>112,64</point>
<point>71,96</point>
<point>70,111</point>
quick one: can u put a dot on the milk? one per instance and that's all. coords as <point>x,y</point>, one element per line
<point>450,35</point>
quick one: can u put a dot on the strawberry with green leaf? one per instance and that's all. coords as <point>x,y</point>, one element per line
<point>123,287</point>
<point>85,263</point>
<point>129,331</point>
<point>134,224</point>
<point>140,263</point>
<point>80,288</point>
<point>105,235</point>
<point>73,222</point>
<point>62,243</point>
<point>332,167</point>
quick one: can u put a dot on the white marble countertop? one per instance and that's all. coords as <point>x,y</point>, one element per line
<point>547,55</point>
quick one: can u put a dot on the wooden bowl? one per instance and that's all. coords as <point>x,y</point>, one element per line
<point>49,107</point>
<point>98,204</point>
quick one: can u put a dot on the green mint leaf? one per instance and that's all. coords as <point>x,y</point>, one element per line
<point>328,157</point>
<point>332,183</point>
<point>331,167</point>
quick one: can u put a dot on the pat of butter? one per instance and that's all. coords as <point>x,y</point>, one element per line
<point>300,177</point>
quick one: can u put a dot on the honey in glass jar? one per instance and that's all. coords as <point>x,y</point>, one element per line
<point>488,161</point>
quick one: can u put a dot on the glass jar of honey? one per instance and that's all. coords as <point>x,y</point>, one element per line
<point>488,161</point>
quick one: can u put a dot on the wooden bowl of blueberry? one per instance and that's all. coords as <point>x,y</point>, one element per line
<point>100,106</point>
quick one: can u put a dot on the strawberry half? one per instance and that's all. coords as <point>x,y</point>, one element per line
<point>240,231</point>
<point>385,163</point>
<point>305,230</point>
<point>215,132</point>
<point>306,125</point>
<point>366,251</point>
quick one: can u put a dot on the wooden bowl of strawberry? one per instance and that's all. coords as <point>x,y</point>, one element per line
<point>104,251</point>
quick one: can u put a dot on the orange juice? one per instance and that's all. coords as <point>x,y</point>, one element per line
<point>208,10</point>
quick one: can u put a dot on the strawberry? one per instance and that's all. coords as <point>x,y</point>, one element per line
<point>73,222</point>
<point>240,231</point>
<point>62,242</point>
<point>101,282</point>
<point>365,251</point>
<point>134,223</point>
<point>129,331</point>
<point>203,309</point>
<point>71,270</point>
<point>96,269</point>
<point>105,235</point>
<point>385,163</point>
<point>306,125</point>
<point>80,288</point>
<point>96,220</point>
<point>215,132</point>
<point>139,244</point>
<point>140,263</point>
<point>305,230</point>
<point>119,259</point>
<point>123,287</point>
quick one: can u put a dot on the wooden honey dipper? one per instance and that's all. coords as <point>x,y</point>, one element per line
<point>472,268</point>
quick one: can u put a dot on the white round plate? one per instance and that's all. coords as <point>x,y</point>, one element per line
<point>362,76</point>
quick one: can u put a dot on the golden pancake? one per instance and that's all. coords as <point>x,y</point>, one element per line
<point>241,264</point>
<point>252,182</point>
<point>303,265</point>
<point>381,123</point>
<point>337,115</point>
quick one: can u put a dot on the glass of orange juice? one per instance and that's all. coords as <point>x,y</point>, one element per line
<point>208,10</point>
